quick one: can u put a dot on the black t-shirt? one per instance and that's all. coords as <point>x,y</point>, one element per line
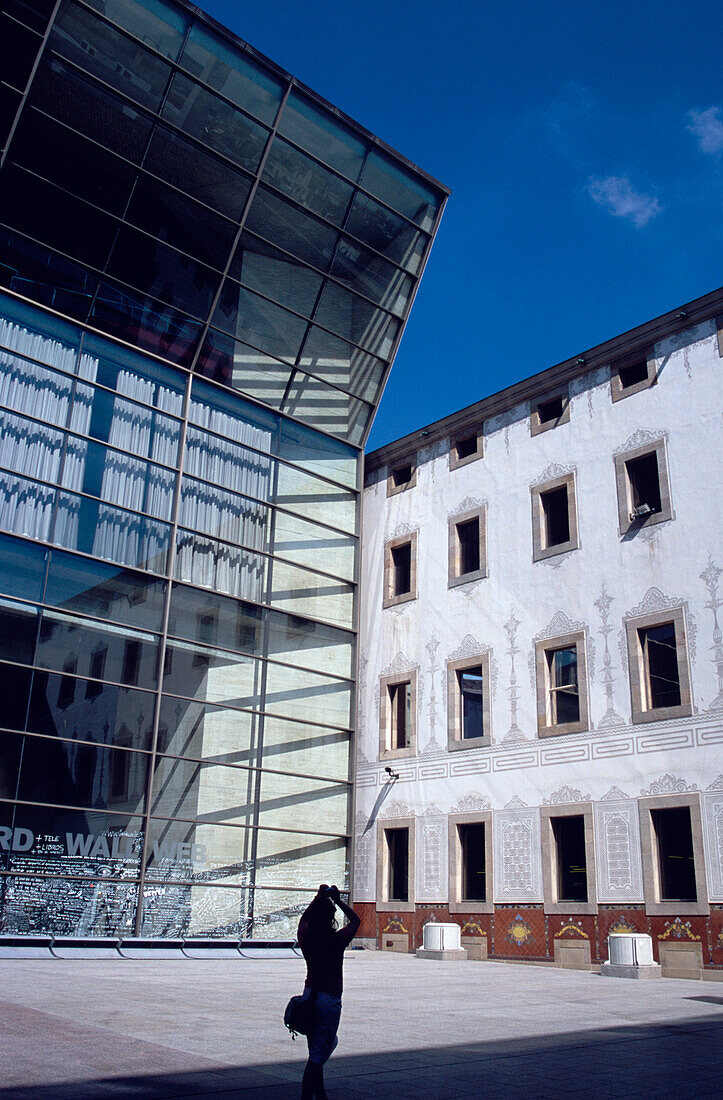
<point>325,957</point>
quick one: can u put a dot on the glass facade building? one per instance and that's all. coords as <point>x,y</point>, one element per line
<point>205,271</point>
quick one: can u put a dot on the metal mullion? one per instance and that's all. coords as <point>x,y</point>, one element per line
<point>252,711</point>
<point>211,763</point>
<point>200,648</point>
<point>83,553</point>
<point>29,81</point>
<point>78,676</point>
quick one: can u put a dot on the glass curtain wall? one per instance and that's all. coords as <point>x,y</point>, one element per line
<point>223,266</point>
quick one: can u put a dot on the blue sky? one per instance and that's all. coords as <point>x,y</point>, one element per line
<point>582,141</point>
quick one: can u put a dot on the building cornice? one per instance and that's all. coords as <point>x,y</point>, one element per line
<point>636,339</point>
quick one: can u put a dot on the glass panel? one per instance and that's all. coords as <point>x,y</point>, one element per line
<point>275,274</point>
<point>312,400</point>
<point>233,73</point>
<point>305,543</point>
<point>277,913</point>
<point>103,713</point>
<point>181,222</point>
<point>72,842</point>
<point>132,375</point>
<point>356,320</point>
<point>386,233</point>
<point>113,419</point>
<point>216,620</point>
<point>372,276</point>
<point>219,566</point>
<point>205,911</point>
<point>321,135</point>
<point>78,101</point>
<point>34,13</point>
<point>471,686</point>
<point>117,478</point>
<point>225,462</point>
<point>399,189</point>
<point>109,55</point>
<point>223,515</point>
<point>15,688</point>
<point>82,773</point>
<point>291,229</point>
<point>569,833</point>
<point>265,325</point>
<point>302,593</point>
<point>289,801</point>
<point>318,500</point>
<point>305,181</point>
<point>110,533</point>
<point>38,335</point>
<point>25,506</point>
<point>10,752</point>
<point>190,789</point>
<point>71,162</point>
<point>38,273</point>
<point>18,631</point>
<point>235,364</point>
<point>205,731</point>
<point>329,457</point>
<point>299,859</point>
<point>202,176</point>
<point>104,591</point>
<point>661,654</point>
<point>301,747</point>
<point>44,212</point>
<point>214,122</point>
<point>196,850</point>
<point>230,416</point>
<point>160,271</point>
<point>342,364</point>
<point>64,907</point>
<point>29,388</point>
<point>144,322</point>
<point>30,448</point>
<point>18,50</point>
<point>131,656</point>
<point>299,693</point>
<point>22,568</point>
<point>159,25</point>
<point>212,675</point>
<point>9,103</point>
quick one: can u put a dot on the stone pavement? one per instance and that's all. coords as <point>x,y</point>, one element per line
<point>411,1028</point>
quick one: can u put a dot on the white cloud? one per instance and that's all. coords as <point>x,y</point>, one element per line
<point>619,197</point>
<point>708,128</point>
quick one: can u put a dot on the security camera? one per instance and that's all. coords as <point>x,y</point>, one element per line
<point>391,774</point>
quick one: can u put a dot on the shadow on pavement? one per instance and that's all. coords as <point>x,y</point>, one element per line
<point>677,1058</point>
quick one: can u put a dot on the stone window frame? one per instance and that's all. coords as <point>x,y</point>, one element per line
<point>618,392</point>
<point>384,905</point>
<point>639,714</point>
<point>622,485</point>
<point>549,859</point>
<point>455,462</point>
<point>389,599</point>
<point>536,425</point>
<point>454,578</point>
<point>540,552</point>
<point>393,489</point>
<point>386,752</point>
<point>455,741</point>
<point>649,846</point>
<point>542,673</point>
<point>456,904</point>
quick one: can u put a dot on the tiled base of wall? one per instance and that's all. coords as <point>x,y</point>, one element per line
<point>527,934</point>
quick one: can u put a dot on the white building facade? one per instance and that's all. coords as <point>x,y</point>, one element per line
<point>540,710</point>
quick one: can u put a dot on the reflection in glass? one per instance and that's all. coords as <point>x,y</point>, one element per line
<point>203,731</point>
<point>321,135</point>
<point>65,907</point>
<point>110,714</point>
<point>398,188</point>
<point>104,591</point>
<point>172,911</point>
<point>191,789</point>
<point>18,631</point>
<point>214,60</point>
<point>22,568</point>
<point>307,182</point>
<point>214,122</point>
<point>160,25</point>
<point>200,174</point>
<point>62,634</point>
<point>386,233</point>
<point>276,913</point>
<point>213,676</point>
<point>81,843</point>
<point>294,746</point>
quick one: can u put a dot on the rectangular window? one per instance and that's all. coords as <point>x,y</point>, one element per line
<point>131,662</point>
<point>119,776</point>
<point>633,374</point>
<point>570,858</point>
<point>561,669</point>
<point>402,569</point>
<point>97,668</point>
<point>660,662</point>
<point>474,861</point>
<point>467,550</point>
<point>66,691</point>
<point>471,687</point>
<point>402,476</point>
<point>643,487</point>
<point>554,517</point>
<point>465,448</point>
<point>659,677</point>
<point>556,525</point>
<point>550,411</point>
<point>563,696</point>
<point>468,540</point>
<point>397,841</point>
<point>676,862</point>
<point>400,707</point>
